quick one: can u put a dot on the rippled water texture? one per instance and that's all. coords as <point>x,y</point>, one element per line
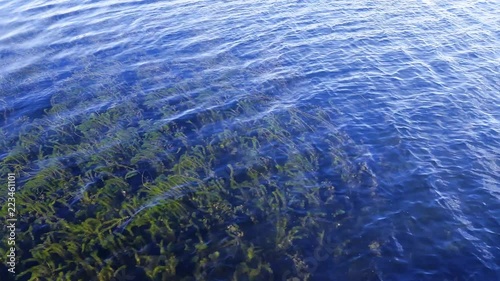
<point>410,90</point>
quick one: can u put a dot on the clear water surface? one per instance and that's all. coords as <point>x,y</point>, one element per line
<point>410,88</point>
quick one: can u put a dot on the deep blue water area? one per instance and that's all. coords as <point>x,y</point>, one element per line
<point>405,94</point>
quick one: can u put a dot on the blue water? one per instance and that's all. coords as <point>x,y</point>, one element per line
<point>414,88</point>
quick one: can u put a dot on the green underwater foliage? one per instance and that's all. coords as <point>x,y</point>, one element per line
<point>141,187</point>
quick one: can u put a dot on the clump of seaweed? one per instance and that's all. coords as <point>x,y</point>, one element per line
<point>146,187</point>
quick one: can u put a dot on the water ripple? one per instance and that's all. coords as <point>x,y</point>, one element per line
<point>412,84</point>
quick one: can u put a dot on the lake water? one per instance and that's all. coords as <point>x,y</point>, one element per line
<point>252,140</point>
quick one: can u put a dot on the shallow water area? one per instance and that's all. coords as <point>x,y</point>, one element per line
<point>252,140</point>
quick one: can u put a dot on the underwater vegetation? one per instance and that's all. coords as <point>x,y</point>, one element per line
<point>143,188</point>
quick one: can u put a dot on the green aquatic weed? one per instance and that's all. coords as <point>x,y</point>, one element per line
<point>183,181</point>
